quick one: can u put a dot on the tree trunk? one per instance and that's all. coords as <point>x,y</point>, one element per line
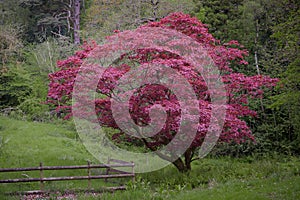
<point>186,165</point>
<point>188,159</point>
<point>76,21</point>
<point>256,59</point>
<point>179,164</point>
<point>154,5</point>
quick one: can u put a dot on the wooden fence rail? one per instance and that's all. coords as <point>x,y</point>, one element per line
<point>88,177</point>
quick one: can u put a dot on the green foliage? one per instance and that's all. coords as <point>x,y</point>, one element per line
<point>10,43</point>
<point>12,14</point>
<point>15,86</point>
<point>22,94</point>
<point>217,14</point>
<point>285,104</point>
<point>271,30</point>
<point>45,17</point>
<point>42,57</point>
<point>24,85</point>
<point>103,17</point>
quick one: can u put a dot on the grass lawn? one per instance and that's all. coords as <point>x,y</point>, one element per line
<point>253,189</point>
<point>221,178</point>
<point>24,144</point>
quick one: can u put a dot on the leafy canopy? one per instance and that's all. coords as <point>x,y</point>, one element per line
<point>239,88</point>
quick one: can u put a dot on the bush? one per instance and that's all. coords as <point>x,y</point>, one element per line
<point>24,85</point>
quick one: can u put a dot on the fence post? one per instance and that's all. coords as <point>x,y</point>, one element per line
<point>107,169</point>
<point>132,170</point>
<point>89,174</point>
<point>41,177</point>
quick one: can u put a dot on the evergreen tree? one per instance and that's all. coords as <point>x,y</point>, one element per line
<point>59,18</point>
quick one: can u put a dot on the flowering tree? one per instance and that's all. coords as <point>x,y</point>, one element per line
<point>239,88</point>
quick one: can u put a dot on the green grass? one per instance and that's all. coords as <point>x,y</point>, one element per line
<point>25,144</point>
<point>253,189</point>
<point>29,143</point>
<point>222,178</point>
<point>259,189</point>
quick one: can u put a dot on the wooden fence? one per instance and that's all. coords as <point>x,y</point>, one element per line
<point>112,163</point>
